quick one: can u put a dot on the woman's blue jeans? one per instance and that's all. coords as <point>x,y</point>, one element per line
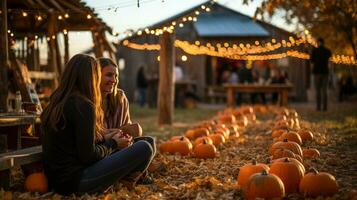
<point>110,169</point>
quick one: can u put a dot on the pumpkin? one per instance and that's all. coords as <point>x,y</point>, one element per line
<point>289,172</point>
<point>223,132</point>
<point>242,122</point>
<point>233,130</point>
<point>205,150</point>
<point>311,153</point>
<point>291,136</point>
<point>182,146</point>
<point>292,146</point>
<point>306,135</point>
<point>217,138</point>
<point>296,161</point>
<point>249,169</point>
<point>36,182</point>
<point>251,117</point>
<point>200,140</point>
<point>316,183</point>
<point>247,110</point>
<point>198,132</point>
<point>277,133</point>
<point>166,147</point>
<point>190,133</point>
<point>265,186</point>
<point>280,153</point>
<point>227,119</point>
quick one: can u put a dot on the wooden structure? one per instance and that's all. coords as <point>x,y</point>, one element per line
<point>204,68</point>
<point>281,89</point>
<point>26,23</point>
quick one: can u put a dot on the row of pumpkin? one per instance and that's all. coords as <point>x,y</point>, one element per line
<point>286,174</point>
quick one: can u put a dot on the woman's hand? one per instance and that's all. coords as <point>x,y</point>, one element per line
<point>123,141</point>
<point>109,133</point>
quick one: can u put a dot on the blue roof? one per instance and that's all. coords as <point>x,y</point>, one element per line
<point>228,25</point>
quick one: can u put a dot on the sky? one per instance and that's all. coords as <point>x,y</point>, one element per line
<point>122,15</point>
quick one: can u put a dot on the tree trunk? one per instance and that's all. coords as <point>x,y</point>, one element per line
<point>4,57</point>
<point>166,85</point>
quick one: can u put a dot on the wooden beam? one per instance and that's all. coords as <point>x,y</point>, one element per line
<point>51,30</point>
<point>4,57</point>
<point>66,48</point>
<point>43,5</point>
<point>166,85</point>
<point>71,6</point>
<point>57,5</point>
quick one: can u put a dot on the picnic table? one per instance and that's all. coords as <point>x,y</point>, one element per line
<point>281,89</point>
<point>18,120</point>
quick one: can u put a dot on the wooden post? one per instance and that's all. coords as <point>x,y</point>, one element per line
<point>166,84</point>
<point>98,47</point>
<point>58,57</point>
<point>4,57</point>
<point>66,47</point>
<point>51,30</point>
<point>230,96</point>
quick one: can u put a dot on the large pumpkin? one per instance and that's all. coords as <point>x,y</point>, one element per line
<point>201,139</point>
<point>180,145</point>
<point>217,139</point>
<point>292,146</point>
<point>296,161</point>
<point>205,150</point>
<point>265,186</point>
<point>198,132</point>
<point>318,183</point>
<point>36,182</point>
<point>289,172</point>
<point>249,169</point>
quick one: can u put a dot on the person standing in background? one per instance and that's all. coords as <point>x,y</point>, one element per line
<point>141,83</point>
<point>319,57</point>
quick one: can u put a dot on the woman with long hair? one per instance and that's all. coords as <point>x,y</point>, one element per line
<point>77,156</point>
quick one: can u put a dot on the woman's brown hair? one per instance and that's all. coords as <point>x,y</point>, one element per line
<point>81,77</point>
<point>114,99</point>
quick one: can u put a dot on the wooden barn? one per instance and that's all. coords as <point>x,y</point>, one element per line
<point>212,25</point>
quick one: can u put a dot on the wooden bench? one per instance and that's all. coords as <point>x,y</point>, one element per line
<point>22,158</point>
<point>281,89</point>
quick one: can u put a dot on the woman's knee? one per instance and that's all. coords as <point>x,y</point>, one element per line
<point>144,147</point>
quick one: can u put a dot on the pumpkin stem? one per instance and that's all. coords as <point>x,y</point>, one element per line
<point>286,159</point>
<point>268,161</point>
<point>264,172</point>
<point>285,140</point>
<point>182,138</point>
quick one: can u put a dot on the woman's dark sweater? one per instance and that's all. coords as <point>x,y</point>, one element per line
<point>68,151</point>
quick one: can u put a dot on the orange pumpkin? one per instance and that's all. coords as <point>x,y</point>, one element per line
<point>265,186</point>
<point>306,135</point>
<point>292,146</point>
<point>166,147</point>
<point>316,183</point>
<point>217,138</point>
<point>296,161</point>
<point>289,172</point>
<point>227,119</point>
<point>277,133</point>
<point>205,150</point>
<point>190,133</point>
<point>198,132</point>
<point>233,130</point>
<point>36,182</point>
<point>280,153</point>
<point>291,136</point>
<point>249,169</point>
<point>311,153</point>
<point>200,140</point>
<point>180,145</point>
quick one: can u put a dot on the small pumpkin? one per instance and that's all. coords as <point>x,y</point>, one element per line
<point>292,146</point>
<point>227,119</point>
<point>316,183</point>
<point>289,172</point>
<point>306,135</point>
<point>36,182</point>
<point>249,169</point>
<point>199,132</point>
<point>217,138</point>
<point>182,146</point>
<point>233,130</point>
<point>311,153</point>
<point>205,150</point>
<point>265,186</point>
<point>291,136</point>
<point>201,139</point>
<point>277,133</point>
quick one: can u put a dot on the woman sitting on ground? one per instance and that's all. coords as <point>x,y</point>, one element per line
<point>77,157</point>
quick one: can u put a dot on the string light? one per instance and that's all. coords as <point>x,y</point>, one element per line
<point>39,18</point>
<point>59,17</point>
<point>24,14</point>
<point>66,15</point>
<point>89,16</point>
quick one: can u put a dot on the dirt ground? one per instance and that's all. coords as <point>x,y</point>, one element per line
<point>178,177</point>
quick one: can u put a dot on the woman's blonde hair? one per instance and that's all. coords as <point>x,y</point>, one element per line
<point>81,77</point>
